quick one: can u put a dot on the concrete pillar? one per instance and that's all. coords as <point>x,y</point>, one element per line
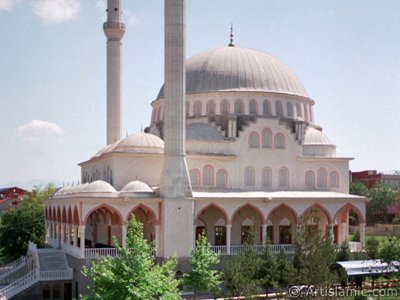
<point>68,232</point>
<point>228,238</point>
<point>123,237</point>
<point>330,232</point>
<point>82,239</point>
<point>75,236</point>
<point>362,234</point>
<point>114,31</point>
<point>264,234</point>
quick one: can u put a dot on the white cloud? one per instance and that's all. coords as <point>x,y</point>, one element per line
<point>38,129</point>
<point>7,5</point>
<point>57,11</point>
<point>102,5</point>
<point>133,20</point>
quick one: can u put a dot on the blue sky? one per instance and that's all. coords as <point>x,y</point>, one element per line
<point>52,72</point>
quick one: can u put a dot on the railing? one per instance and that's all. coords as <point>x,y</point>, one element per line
<point>57,275</point>
<point>259,249</point>
<point>98,252</point>
<point>10,268</point>
<point>75,251</point>
<point>355,247</point>
<point>19,285</point>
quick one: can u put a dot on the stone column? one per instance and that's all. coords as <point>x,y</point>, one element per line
<point>157,238</point>
<point>82,239</point>
<point>330,232</point>
<point>264,234</point>
<point>123,237</point>
<point>75,236</point>
<point>345,232</point>
<point>362,234</point>
<point>68,231</point>
<point>228,238</point>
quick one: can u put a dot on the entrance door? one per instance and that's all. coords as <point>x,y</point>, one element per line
<point>68,291</point>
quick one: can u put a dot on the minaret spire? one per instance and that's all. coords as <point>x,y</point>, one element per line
<point>114,31</point>
<point>231,44</point>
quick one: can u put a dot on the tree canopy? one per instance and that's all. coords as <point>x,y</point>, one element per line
<point>203,259</point>
<point>134,274</point>
<point>24,223</point>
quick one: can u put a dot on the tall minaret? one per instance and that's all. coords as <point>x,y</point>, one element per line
<point>175,189</point>
<point>114,31</point>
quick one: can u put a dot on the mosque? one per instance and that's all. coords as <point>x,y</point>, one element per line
<point>240,151</point>
<point>232,148</point>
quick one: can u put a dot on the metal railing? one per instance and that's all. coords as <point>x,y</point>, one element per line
<point>14,266</point>
<point>19,285</point>
<point>98,252</point>
<point>259,249</point>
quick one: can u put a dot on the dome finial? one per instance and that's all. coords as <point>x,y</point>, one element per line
<point>231,44</point>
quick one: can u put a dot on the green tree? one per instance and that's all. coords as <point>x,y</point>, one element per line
<point>358,188</point>
<point>284,270</point>
<point>372,247</point>
<point>390,249</point>
<point>202,277</point>
<point>344,252</point>
<point>240,273</point>
<point>24,223</point>
<point>382,195</point>
<point>314,255</point>
<point>134,274</point>
<point>267,274</point>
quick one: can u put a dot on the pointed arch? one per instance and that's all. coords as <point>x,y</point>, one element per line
<point>257,209</point>
<point>69,216</point>
<point>343,212</point>
<point>107,207</point>
<point>148,210</point>
<point>58,214</point>
<point>322,208</point>
<point>212,204</point>
<point>76,220</point>
<point>64,215</point>
<point>284,205</point>
<point>54,214</point>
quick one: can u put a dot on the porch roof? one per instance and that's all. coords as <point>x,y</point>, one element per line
<point>276,195</point>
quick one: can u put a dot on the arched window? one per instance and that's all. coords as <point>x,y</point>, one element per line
<point>334,179</point>
<point>187,109</point>
<point>239,109</point>
<point>283,177</point>
<point>249,177</point>
<point>266,177</point>
<point>278,109</point>
<point>310,179</point>
<point>266,108</point>
<point>266,138</point>
<point>195,177</point>
<point>279,141</point>
<point>253,107</point>
<point>224,107</point>
<point>254,140</point>
<point>211,108</point>
<point>322,178</point>
<point>306,112</point>
<point>298,109</point>
<point>208,176</point>
<point>289,108</point>
<point>222,178</point>
<point>197,108</point>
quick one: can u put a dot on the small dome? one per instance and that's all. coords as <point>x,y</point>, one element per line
<point>105,149</point>
<point>316,137</point>
<point>141,143</point>
<point>137,187</point>
<point>239,69</point>
<point>99,186</point>
<point>203,132</point>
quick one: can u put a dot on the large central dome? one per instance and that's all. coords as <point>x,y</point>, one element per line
<point>239,69</point>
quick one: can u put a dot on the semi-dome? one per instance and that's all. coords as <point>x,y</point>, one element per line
<point>239,69</point>
<point>203,132</point>
<point>99,186</point>
<point>140,142</point>
<point>316,137</point>
<point>137,186</point>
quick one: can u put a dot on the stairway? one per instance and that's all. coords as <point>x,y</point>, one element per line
<point>43,265</point>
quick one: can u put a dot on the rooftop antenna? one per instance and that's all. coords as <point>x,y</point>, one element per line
<point>231,44</point>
